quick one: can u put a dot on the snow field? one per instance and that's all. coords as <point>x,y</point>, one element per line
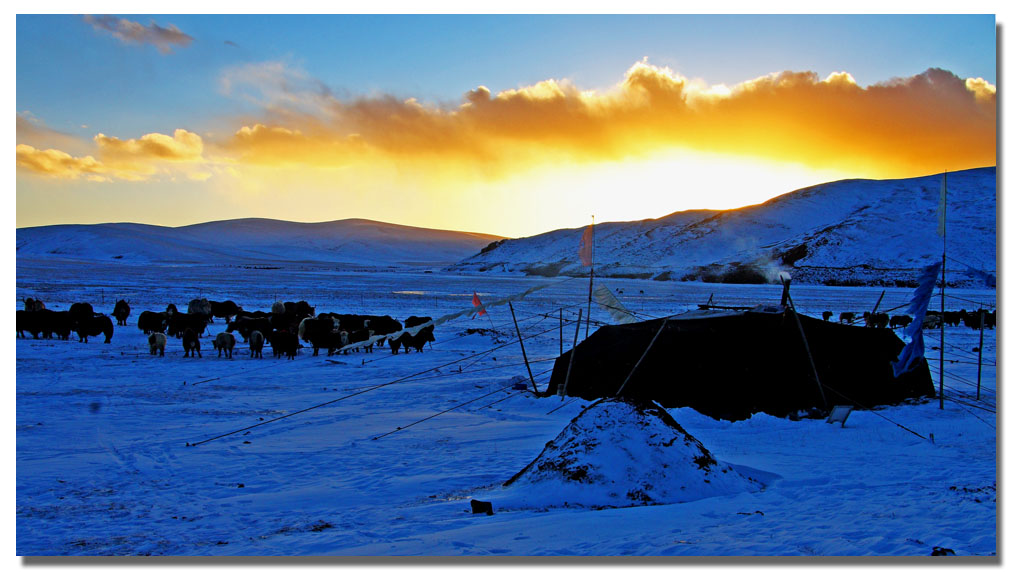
<point>103,467</point>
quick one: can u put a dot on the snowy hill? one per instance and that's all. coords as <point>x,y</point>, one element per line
<point>845,232</point>
<point>252,240</point>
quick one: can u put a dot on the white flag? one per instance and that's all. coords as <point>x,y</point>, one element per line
<point>604,297</point>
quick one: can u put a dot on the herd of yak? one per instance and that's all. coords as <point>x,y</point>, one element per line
<point>283,328</point>
<point>976,319</point>
<point>289,323</point>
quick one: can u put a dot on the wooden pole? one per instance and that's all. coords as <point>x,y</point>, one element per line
<point>522,350</point>
<point>941,346</point>
<point>880,296</point>
<point>590,289</point>
<point>560,332</point>
<point>639,361</point>
<point>808,351</point>
<point>980,348</point>
<point>572,353</point>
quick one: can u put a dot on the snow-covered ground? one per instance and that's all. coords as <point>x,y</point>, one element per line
<point>103,466</point>
<point>852,231</point>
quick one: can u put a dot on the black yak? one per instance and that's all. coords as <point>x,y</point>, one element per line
<point>284,343</point>
<point>93,326</point>
<point>149,322</point>
<point>121,312</point>
<point>191,344</point>
<point>256,344</point>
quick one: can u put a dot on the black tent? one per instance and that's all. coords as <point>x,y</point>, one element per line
<point>731,364</point>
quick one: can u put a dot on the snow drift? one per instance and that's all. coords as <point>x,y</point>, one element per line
<point>620,453</point>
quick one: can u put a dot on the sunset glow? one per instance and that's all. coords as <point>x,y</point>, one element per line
<point>512,161</point>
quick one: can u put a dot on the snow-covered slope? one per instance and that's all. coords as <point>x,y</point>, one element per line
<point>252,240</point>
<point>851,231</point>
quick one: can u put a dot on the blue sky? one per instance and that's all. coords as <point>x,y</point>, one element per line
<point>438,58</point>
<point>451,121</point>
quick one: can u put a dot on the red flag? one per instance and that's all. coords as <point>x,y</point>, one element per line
<point>587,246</point>
<point>475,301</point>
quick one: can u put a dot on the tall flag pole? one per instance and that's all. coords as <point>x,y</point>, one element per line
<point>587,258</point>
<point>941,355</point>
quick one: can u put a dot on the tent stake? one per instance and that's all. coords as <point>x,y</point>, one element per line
<point>522,350</point>
<point>638,362</point>
<point>572,353</point>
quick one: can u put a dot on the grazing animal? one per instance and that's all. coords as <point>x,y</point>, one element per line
<point>395,343</point>
<point>361,336</point>
<point>284,343</point>
<point>827,315</point>
<point>899,321</point>
<point>94,325</point>
<point>121,312</point>
<point>225,309</point>
<point>846,317</point>
<point>200,306</point>
<point>316,332</point>
<point>32,322</point>
<point>256,344</point>
<point>246,326</point>
<point>171,309</point>
<point>149,322</point>
<point>954,318</point>
<point>60,323</point>
<point>224,342</point>
<point>876,320</point>
<point>21,322</point>
<point>932,321</point>
<point>990,320</point>
<point>191,344</point>
<point>81,311</point>
<point>156,342</point>
<point>302,307</point>
<point>34,305</point>
<point>178,323</point>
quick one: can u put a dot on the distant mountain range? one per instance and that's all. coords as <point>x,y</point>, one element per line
<point>352,242</point>
<point>846,232</point>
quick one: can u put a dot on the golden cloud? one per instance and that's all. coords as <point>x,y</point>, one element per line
<point>130,160</point>
<point>906,126</point>
<point>903,127</point>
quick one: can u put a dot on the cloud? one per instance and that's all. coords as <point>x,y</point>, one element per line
<point>55,163</point>
<point>125,159</point>
<point>128,31</point>
<point>182,146</point>
<point>905,126</point>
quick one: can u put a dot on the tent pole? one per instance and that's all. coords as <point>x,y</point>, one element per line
<point>572,353</point>
<point>808,351</point>
<point>638,362</point>
<point>880,296</point>
<point>980,347</point>
<point>560,332</point>
<point>522,350</point>
<point>941,344</point>
<point>590,288</point>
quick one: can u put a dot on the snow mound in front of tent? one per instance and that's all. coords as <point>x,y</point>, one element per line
<point>620,454</point>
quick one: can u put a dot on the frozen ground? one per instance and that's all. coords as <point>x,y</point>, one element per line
<point>103,466</point>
